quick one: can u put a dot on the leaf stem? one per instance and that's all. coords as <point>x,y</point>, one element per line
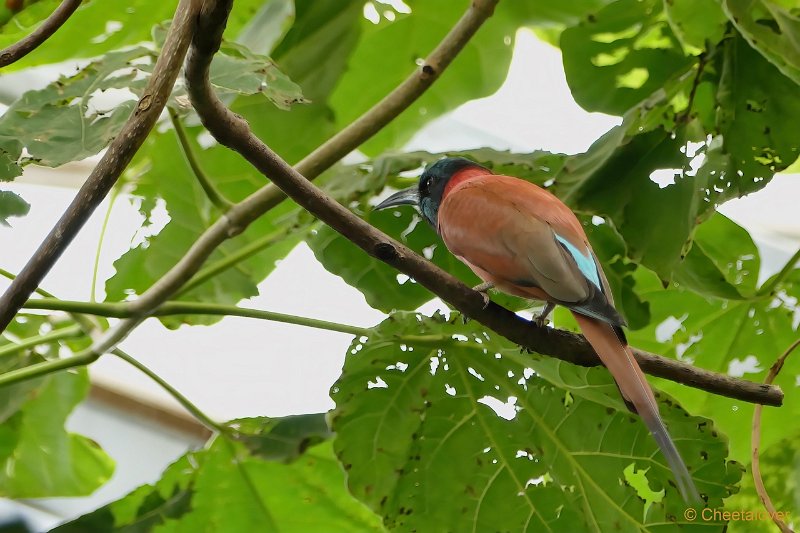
<point>53,336</point>
<point>123,310</point>
<point>216,197</point>
<point>756,443</point>
<point>780,276</point>
<point>183,400</point>
<point>111,199</point>
<point>47,367</point>
<point>222,265</point>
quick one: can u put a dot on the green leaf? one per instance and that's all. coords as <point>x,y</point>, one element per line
<point>770,29</point>
<point>11,205</point>
<point>100,30</point>
<point>66,121</point>
<point>613,179</point>
<point>386,55</point>
<point>447,427</point>
<point>697,23</point>
<point>723,261</point>
<point>281,439</point>
<point>224,489</point>
<point>621,55</point>
<point>38,458</point>
<point>158,175</point>
<point>758,117</point>
<point>727,336</point>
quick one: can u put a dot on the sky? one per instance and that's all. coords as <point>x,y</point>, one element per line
<point>244,367</point>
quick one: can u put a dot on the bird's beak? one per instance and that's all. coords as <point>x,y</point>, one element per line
<point>408,196</point>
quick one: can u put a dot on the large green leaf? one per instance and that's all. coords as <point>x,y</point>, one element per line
<point>771,29</point>
<point>613,179</point>
<point>729,336</point>
<point>722,262</point>
<point>397,41</point>
<point>225,489</point>
<point>447,427</point>
<point>621,55</point>
<point>38,458</point>
<point>94,29</point>
<point>758,117</point>
<point>68,120</point>
<point>158,175</point>
<point>697,23</point>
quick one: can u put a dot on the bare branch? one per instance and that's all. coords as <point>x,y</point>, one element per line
<point>232,130</point>
<point>46,29</point>
<point>756,443</point>
<point>391,105</point>
<point>105,174</point>
<point>235,220</point>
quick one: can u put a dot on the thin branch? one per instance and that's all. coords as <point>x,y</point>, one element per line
<point>756,443</point>
<point>105,174</point>
<point>172,391</point>
<point>53,336</point>
<point>238,218</point>
<point>46,29</point>
<point>124,310</point>
<point>48,367</point>
<point>231,130</point>
<point>111,200</point>
<point>216,197</point>
<point>405,94</point>
<point>231,260</point>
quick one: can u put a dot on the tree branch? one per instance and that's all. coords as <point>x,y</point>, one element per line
<point>105,174</point>
<point>405,94</point>
<point>124,310</point>
<point>233,131</point>
<point>244,213</point>
<point>46,29</point>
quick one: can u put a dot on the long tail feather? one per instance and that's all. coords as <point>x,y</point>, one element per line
<point>619,360</point>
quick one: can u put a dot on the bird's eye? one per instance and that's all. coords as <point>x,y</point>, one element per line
<point>425,185</point>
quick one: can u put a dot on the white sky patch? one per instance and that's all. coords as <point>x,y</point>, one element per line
<point>371,13</point>
<point>738,367</point>
<point>669,327</point>
<point>507,410</point>
<point>664,177</point>
<point>377,384</point>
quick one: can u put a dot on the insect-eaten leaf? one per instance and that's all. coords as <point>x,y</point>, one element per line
<point>443,426</point>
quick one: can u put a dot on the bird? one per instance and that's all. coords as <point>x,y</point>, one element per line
<point>521,239</point>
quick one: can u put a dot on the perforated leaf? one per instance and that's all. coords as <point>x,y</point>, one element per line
<point>442,426</point>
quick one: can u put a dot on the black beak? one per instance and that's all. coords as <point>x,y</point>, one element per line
<point>408,196</point>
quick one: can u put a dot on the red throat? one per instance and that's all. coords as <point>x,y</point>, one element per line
<point>460,176</point>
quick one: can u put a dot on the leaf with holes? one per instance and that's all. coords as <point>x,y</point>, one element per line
<point>443,426</point>
<point>621,55</point>
<point>771,29</point>
<point>758,117</point>
<point>740,337</point>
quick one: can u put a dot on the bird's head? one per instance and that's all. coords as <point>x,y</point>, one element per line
<point>428,193</point>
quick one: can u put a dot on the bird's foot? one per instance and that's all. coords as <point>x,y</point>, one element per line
<point>541,319</point>
<point>483,288</point>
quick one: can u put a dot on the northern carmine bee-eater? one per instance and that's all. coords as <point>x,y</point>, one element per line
<point>521,239</point>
